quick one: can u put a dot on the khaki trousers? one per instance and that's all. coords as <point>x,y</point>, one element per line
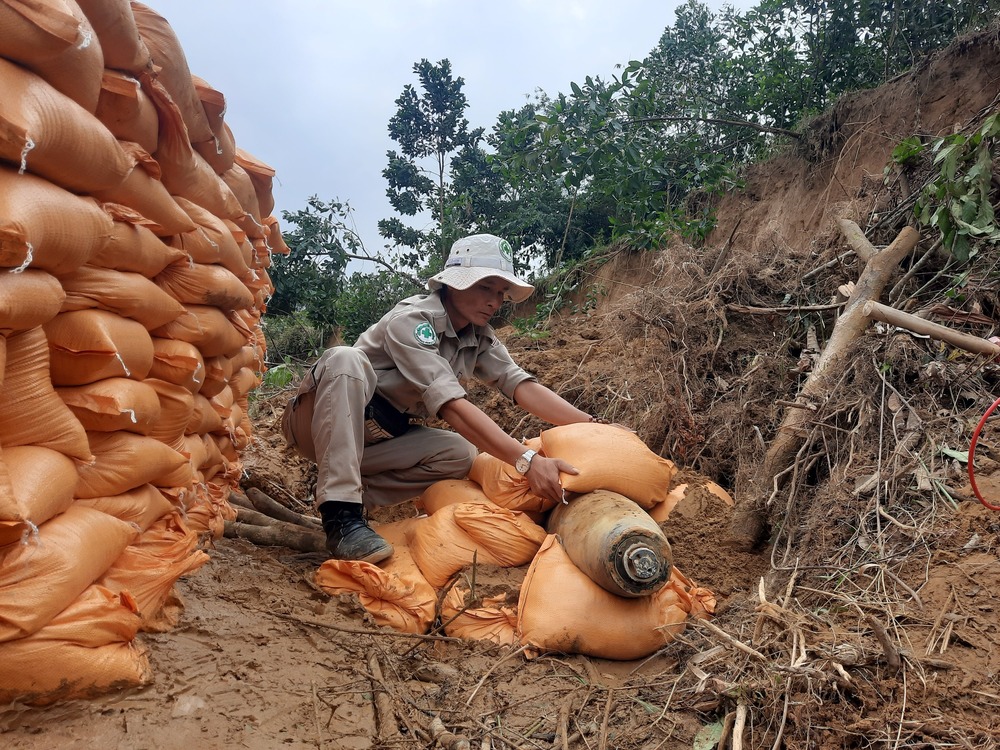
<point>325,422</point>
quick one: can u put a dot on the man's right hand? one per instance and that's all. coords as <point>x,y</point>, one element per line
<point>543,477</point>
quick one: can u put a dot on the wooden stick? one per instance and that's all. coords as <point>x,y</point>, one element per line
<point>603,741</point>
<point>264,503</point>
<point>892,316</point>
<point>240,500</point>
<point>738,726</point>
<point>254,518</point>
<point>786,309</point>
<point>385,715</point>
<point>447,739</point>
<point>737,644</point>
<point>856,239</point>
<point>278,534</point>
<point>489,671</point>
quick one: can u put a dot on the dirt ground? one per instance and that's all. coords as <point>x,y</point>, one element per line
<point>866,619</point>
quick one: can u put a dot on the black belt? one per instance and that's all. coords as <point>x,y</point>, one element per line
<point>383,420</point>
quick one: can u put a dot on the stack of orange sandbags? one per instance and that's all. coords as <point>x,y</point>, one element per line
<point>134,245</point>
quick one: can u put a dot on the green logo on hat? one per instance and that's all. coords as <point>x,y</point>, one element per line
<point>424,334</point>
<point>506,250</point>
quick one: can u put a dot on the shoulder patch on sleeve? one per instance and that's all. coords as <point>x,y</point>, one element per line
<point>424,334</point>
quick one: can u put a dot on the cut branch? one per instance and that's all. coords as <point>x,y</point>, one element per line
<point>749,526</point>
<point>892,316</point>
<point>264,503</point>
<point>278,534</point>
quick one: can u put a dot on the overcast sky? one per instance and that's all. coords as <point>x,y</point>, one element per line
<point>310,85</point>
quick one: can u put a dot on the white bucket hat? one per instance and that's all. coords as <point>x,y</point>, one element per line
<point>478,257</point>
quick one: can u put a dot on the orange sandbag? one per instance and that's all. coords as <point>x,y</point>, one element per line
<point>228,410</point>
<point>130,295</point>
<point>193,446</point>
<point>218,370</point>
<point>207,509</point>
<point>220,151</point>
<point>178,362</point>
<point>243,381</point>
<point>450,492</point>
<point>174,74</point>
<point>274,238</point>
<point>48,134</point>
<point>125,461</point>
<point>28,299</point>
<point>609,458</point>
<point>39,579</point>
<point>126,111</point>
<point>89,345</point>
<point>446,542</point>
<point>211,242</point>
<point>114,25</point>
<point>208,328</point>
<point>113,404</point>
<point>184,171</point>
<point>142,506</point>
<point>151,565</point>
<point>87,649</point>
<point>261,286</point>
<point>494,620</point>
<point>261,253</point>
<point>204,418</point>
<point>262,177</point>
<point>176,409</point>
<point>662,510</point>
<point>204,284</point>
<point>54,39</point>
<point>214,455</point>
<point>143,199</point>
<point>136,249</point>
<point>42,482</point>
<point>502,483</point>
<point>249,356</point>
<point>395,592</point>
<point>31,413</point>
<point>561,609</point>
<point>240,183</point>
<point>43,226</point>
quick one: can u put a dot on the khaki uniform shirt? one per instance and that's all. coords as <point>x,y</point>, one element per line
<point>422,363</point>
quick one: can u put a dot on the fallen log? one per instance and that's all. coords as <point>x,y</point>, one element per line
<point>255,517</point>
<point>278,534</point>
<point>240,500</point>
<point>750,525</point>
<point>264,503</point>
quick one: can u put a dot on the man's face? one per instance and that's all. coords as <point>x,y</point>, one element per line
<point>477,304</point>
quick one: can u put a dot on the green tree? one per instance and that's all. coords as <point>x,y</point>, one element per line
<point>429,126</point>
<point>311,280</point>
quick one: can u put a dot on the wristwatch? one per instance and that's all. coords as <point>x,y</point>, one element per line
<point>523,462</point>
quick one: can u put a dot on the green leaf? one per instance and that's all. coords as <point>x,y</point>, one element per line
<point>907,150</point>
<point>708,737</point>
<point>962,456</point>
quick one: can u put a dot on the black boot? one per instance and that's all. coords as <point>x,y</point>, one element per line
<point>348,535</point>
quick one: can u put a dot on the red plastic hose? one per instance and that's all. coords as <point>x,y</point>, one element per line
<point>972,455</point>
